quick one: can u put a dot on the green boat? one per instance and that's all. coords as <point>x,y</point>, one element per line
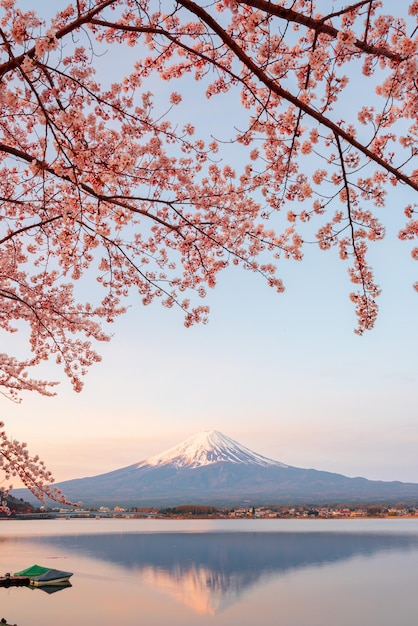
<point>39,576</point>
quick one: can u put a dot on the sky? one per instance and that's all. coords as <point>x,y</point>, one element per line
<point>284,375</point>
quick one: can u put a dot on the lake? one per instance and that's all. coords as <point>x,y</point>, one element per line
<point>223,572</point>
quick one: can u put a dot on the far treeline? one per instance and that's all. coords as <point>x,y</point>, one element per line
<point>192,509</point>
<point>370,510</point>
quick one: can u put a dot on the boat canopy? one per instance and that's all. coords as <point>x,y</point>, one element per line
<point>38,574</point>
<point>35,570</point>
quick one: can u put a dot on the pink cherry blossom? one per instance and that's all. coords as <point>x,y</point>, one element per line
<point>15,460</point>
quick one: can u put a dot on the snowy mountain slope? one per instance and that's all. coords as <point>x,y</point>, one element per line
<point>207,448</point>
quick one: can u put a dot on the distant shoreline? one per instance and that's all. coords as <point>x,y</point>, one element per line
<point>22,518</point>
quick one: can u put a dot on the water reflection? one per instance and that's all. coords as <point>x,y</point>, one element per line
<point>49,589</point>
<point>210,571</point>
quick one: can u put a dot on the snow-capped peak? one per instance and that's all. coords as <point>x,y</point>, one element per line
<point>207,448</point>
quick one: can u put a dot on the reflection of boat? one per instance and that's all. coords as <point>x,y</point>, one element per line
<point>40,576</point>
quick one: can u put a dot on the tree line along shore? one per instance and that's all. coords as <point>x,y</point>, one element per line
<point>22,510</point>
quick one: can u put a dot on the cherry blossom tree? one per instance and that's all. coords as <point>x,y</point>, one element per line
<point>101,179</point>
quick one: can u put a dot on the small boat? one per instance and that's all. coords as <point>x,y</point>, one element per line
<point>39,576</point>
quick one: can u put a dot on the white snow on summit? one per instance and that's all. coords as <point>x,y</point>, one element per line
<point>207,448</point>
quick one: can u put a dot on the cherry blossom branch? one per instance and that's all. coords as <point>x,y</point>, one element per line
<point>83,18</point>
<point>111,199</point>
<point>15,461</point>
<point>367,308</point>
<point>230,42</point>
<point>318,25</point>
<point>28,227</point>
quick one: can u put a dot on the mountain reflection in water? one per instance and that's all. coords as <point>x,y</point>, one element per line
<point>209,571</point>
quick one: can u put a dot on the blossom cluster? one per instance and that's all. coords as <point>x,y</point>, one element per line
<point>15,461</point>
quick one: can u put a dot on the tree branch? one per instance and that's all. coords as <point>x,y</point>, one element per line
<point>273,85</point>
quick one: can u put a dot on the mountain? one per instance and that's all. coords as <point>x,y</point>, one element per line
<point>211,468</point>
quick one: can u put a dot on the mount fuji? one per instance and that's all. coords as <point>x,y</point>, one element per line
<point>211,468</point>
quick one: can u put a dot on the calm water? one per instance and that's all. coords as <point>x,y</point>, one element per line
<point>228,573</point>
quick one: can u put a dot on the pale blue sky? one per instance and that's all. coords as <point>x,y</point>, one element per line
<point>284,375</point>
